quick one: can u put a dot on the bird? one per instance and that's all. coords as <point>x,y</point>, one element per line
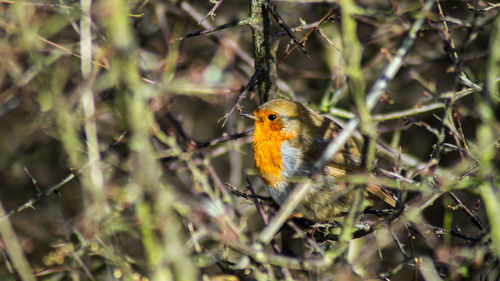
<point>287,140</point>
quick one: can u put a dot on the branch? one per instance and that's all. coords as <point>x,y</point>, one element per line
<point>259,199</point>
<point>260,211</point>
<point>285,26</point>
<point>308,26</point>
<point>211,13</point>
<point>474,219</point>
<point>55,188</point>
<point>314,28</point>
<point>214,29</point>
<point>224,138</point>
<point>264,53</point>
<point>421,109</point>
<point>406,112</point>
<point>261,256</point>
<point>186,7</point>
<point>242,95</point>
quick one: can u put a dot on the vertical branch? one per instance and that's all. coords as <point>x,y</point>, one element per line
<point>487,136</point>
<point>14,249</point>
<point>144,170</point>
<point>94,183</point>
<point>347,229</point>
<point>493,71</point>
<point>264,54</point>
<point>353,52</point>
<point>164,244</point>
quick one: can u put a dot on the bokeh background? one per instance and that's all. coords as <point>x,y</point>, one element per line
<point>111,117</point>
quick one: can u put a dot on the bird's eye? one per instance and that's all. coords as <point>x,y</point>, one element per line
<point>271,117</point>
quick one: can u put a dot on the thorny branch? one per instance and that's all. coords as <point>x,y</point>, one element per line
<point>242,95</point>
<point>304,39</point>
<point>213,29</point>
<point>474,219</point>
<point>285,26</point>
<point>211,13</point>
<point>55,188</point>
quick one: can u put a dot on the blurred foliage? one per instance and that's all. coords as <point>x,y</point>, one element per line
<point>114,164</point>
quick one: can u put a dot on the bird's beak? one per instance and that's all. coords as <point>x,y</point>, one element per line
<point>249,115</point>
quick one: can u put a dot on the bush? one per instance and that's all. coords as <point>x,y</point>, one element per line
<point>123,155</point>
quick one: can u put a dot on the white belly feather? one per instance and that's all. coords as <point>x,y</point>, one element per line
<point>291,168</point>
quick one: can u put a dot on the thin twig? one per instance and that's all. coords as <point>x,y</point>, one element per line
<point>308,26</point>
<point>261,256</point>
<point>191,11</point>
<point>178,127</point>
<point>406,112</point>
<point>213,29</point>
<point>263,217</point>
<point>68,51</point>
<point>55,188</point>
<point>12,248</point>
<point>260,199</point>
<point>474,219</point>
<point>211,13</point>
<point>33,180</point>
<point>452,52</point>
<point>224,138</point>
<point>365,230</point>
<point>491,6</point>
<point>462,136</point>
<point>190,143</point>
<point>285,26</point>
<point>216,152</point>
<point>303,39</point>
<point>421,109</point>
<point>217,180</point>
<point>233,45</point>
<point>398,242</point>
<point>242,95</point>
<point>439,231</point>
<point>303,235</point>
<point>450,44</point>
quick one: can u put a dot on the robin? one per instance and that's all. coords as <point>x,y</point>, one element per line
<point>288,138</point>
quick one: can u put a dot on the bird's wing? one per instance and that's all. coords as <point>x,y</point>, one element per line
<point>381,193</point>
<point>348,161</point>
<point>347,158</point>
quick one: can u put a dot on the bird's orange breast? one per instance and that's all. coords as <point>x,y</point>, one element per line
<point>267,154</point>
